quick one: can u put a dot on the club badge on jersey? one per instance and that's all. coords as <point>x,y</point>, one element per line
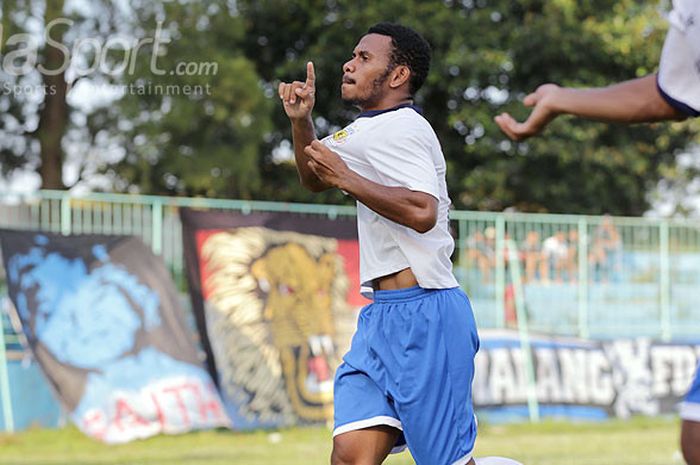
<point>340,137</point>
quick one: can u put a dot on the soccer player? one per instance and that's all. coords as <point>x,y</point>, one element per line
<point>673,93</point>
<point>406,380</point>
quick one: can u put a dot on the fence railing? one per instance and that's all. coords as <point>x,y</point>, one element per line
<point>587,276</point>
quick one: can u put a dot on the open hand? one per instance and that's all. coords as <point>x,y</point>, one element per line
<point>543,112</point>
<point>298,97</point>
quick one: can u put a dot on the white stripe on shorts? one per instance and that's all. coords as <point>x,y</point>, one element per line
<point>690,411</point>
<point>464,460</point>
<point>369,422</point>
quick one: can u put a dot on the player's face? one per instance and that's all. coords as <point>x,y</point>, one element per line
<point>365,75</point>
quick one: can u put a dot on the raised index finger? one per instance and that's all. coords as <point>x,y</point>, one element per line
<point>310,75</point>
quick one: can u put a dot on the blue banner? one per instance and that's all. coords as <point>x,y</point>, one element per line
<point>101,316</point>
<point>578,378</point>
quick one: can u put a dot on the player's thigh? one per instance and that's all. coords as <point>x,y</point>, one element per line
<point>369,446</point>
<point>690,441</point>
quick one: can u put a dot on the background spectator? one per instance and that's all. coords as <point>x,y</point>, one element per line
<point>481,251</point>
<point>606,251</point>
<point>531,254</point>
<point>554,257</point>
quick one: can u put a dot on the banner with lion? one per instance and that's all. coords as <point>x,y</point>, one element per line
<point>275,297</point>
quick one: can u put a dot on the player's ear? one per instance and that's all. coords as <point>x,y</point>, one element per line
<point>399,76</point>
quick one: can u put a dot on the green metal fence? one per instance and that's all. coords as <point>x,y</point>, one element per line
<point>592,277</point>
<point>605,277</point>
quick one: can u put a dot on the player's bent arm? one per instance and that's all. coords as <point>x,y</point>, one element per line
<point>303,134</point>
<point>634,101</point>
<point>413,209</point>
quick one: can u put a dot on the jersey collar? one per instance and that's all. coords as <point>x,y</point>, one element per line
<point>372,113</point>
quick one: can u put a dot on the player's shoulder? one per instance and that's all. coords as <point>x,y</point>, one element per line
<point>412,115</point>
<point>410,122</point>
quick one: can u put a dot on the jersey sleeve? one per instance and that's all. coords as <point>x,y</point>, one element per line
<point>406,159</point>
<point>678,80</point>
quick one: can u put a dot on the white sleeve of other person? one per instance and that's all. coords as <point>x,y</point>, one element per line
<point>679,69</point>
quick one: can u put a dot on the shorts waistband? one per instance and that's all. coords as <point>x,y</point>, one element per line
<point>406,294</point>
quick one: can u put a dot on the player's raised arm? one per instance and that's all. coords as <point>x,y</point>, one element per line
<point>634,101</point>
<point>298,99</point>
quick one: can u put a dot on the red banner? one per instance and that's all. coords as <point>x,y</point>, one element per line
<point>276,297</point>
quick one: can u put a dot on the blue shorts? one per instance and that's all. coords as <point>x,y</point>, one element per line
<point>411,366</point>
<point>690,408</point>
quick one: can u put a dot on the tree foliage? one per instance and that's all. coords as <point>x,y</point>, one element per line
<point>233,140</point>
<point>40,127</point>
<point>487,55</point>
<point>207,142</point>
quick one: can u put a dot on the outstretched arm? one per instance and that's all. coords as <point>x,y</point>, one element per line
<point>413,209</point>
<point>298,99</point>
<point>634,101</point>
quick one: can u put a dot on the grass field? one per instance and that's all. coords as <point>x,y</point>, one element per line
<point>635,442</point>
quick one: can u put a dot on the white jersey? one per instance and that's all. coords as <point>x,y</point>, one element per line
<point>398,147</point>
<point>679,70</point>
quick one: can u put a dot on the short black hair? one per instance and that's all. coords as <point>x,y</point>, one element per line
<point>409,49</point>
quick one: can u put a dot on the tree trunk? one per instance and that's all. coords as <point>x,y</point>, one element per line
<point>53,116</point>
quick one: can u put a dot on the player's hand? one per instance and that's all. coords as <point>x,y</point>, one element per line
<point>298,97</point>
<point>327,165</point>
<point>543,112</point>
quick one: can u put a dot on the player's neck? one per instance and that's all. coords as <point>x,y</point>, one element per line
<point>387,104</point>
